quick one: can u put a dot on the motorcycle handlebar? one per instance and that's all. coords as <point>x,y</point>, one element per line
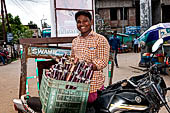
<point>163,65</point>
<point>158,66</point>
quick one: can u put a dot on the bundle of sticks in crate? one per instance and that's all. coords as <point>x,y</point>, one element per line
<point>69,69</point>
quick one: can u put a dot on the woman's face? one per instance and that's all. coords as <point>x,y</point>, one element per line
<point>84,25</point>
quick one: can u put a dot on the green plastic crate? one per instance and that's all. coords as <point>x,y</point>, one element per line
<point>57,98</point>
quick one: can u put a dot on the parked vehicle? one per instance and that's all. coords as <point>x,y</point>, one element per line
<point>145,93</point>
<point>5,58</point>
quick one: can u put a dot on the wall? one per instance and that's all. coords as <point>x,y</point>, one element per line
<point>156,12</point>
<point>166,2</point>
<point>132,17</point>
<point>113,3</point>
<point>104,6</point>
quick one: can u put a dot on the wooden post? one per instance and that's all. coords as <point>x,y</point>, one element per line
<point>22,89</point>
<point>6,14</point>
<point>3,21</point>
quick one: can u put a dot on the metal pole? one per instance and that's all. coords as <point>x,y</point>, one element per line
<point>150,13</point>
<point>42,22</point>
<point>111,68</point>
<point>123,19</point>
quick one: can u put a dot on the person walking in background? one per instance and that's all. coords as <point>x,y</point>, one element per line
<point>2,59</point>
<point>136,42</point>
<point>2,55</point>
<point>92,48</point>
<point>115,44</point>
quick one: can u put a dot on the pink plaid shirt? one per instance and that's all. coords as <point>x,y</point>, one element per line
<point>93,48</point>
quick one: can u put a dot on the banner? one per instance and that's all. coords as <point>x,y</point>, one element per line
<point>66,23</point>
<point>133,30</point>
<point>42,51</point>
<point>74,4</point>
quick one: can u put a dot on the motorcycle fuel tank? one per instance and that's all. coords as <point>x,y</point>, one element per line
<point>128,101</point>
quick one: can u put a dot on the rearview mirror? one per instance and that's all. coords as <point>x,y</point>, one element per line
<point>157,44</point>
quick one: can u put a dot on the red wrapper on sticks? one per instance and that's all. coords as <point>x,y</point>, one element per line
<point>71,70</point>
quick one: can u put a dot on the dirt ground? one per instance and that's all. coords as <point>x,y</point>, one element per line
<point>10,78</point>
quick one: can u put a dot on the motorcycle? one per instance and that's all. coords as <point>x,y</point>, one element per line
<point>5,58</point>
<point>144,93</point>
<point>28,104</point>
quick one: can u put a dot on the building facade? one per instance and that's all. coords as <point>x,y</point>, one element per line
<point>122,13</point>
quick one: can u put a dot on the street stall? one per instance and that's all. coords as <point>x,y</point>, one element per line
<point>58,93</point>
<point>147,39</point>
<point>133,32</point>
<point>34,48</point>
<point>50,89</point>
<point>125,43</point>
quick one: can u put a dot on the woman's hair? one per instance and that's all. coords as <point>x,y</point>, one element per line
<point>83,12</point>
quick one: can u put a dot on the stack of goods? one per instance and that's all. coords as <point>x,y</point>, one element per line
<point>65,86</point>
<point>73,70</point>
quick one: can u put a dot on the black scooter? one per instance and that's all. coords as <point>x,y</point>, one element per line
<point>140,94</point>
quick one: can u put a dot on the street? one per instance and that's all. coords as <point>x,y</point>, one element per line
<point>10,75</point>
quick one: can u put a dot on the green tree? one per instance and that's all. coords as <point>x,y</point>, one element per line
<point>1,35</point>
<point>17,28</point>
<point>32,23</point>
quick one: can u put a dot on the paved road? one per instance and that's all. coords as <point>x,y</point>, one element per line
<point>9,82</point>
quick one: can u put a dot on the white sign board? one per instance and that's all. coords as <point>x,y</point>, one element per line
<point>66,23</point>
<point>74,4</point>
<point>65,16</point>
<point>9,37</point>
<point>41,51</point>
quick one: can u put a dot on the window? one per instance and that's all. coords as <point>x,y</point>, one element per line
<point>125,13</point>
<point>113,14</point>
<point>166,13</point>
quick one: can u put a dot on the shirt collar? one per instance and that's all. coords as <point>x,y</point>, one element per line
<point>91,34</point>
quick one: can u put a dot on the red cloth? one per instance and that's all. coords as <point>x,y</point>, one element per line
<point>93,96</point>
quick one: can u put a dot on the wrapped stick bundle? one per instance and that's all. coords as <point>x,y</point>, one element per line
<point>71,70</point>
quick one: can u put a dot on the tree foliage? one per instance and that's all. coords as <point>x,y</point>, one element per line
<point>17,28</point>
<point>32,23</point>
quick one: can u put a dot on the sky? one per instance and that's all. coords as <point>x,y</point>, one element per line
<point>30,10</point>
